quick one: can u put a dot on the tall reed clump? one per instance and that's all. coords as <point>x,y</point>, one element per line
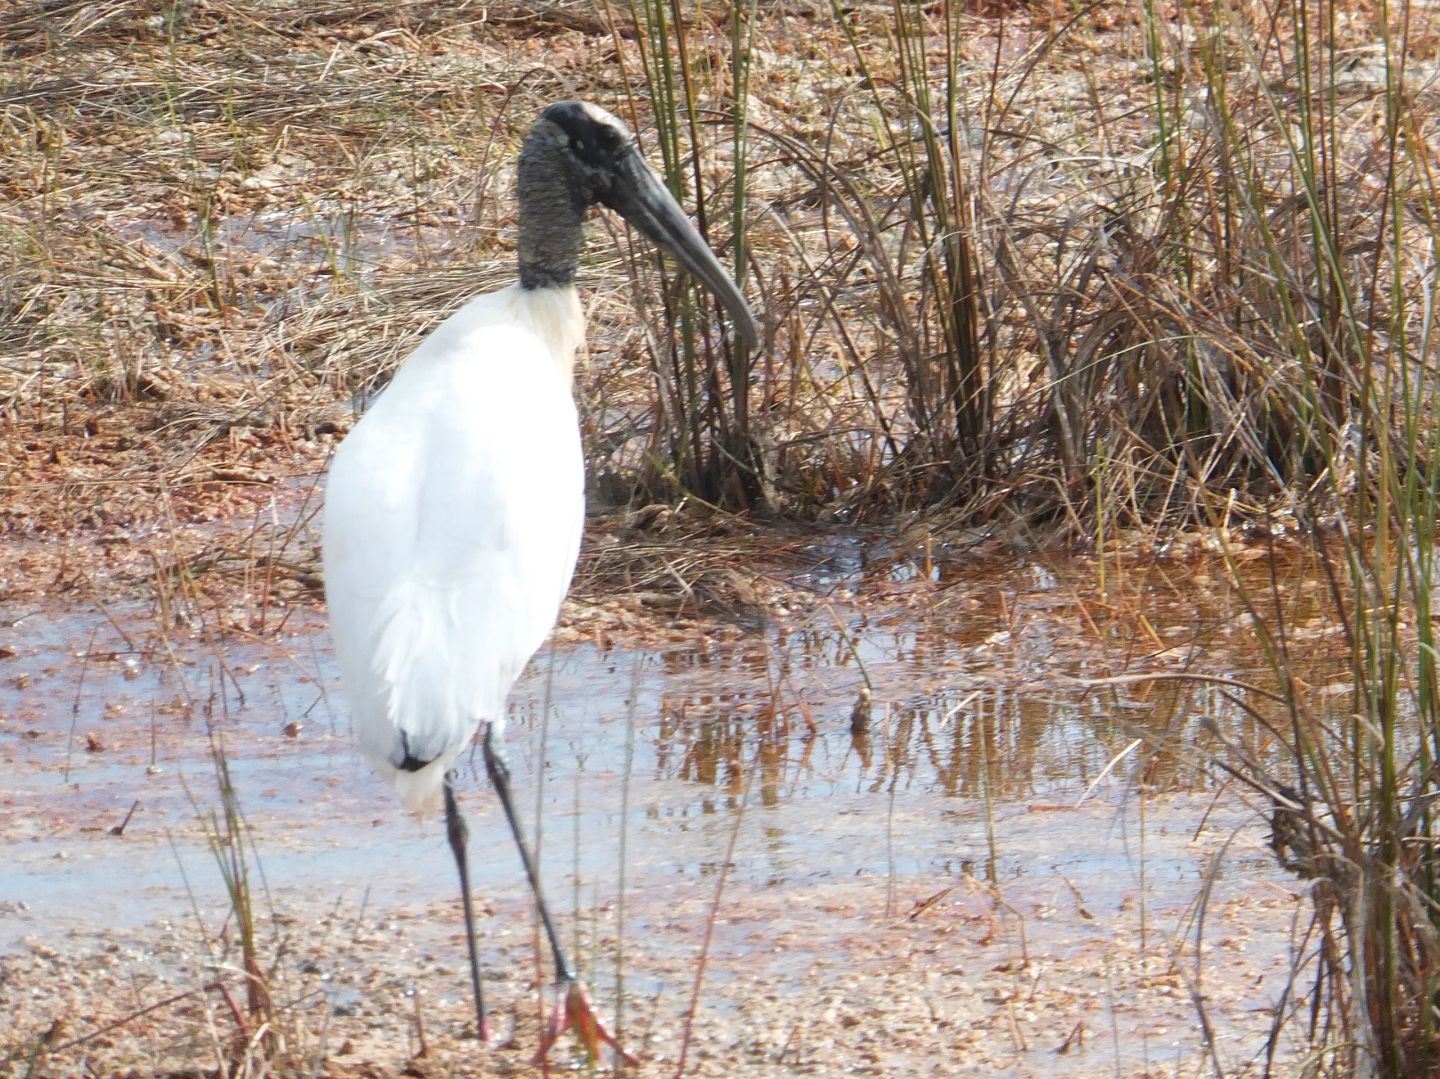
<point>1294,295</point>
<point>815,441</point>
<point>931,317</point>
<point>1167,313</point>
<point>701,441</point>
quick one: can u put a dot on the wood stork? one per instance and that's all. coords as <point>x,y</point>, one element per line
<point>453,510</point>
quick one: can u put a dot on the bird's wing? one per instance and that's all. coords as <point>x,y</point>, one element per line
<point>452,521</point>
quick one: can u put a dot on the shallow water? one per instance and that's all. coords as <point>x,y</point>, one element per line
<point>1011,844</point>
<point>979,715</point>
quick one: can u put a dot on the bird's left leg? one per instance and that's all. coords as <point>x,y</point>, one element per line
<point>573,1009</point>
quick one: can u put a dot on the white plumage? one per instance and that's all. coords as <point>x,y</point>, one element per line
<point>452,522</point>
<point>454,508</point>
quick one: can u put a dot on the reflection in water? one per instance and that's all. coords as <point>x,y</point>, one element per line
<point>852,742</point>
<point>985,690</point>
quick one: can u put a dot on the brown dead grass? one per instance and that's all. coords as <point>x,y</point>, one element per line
<point>217,223</point>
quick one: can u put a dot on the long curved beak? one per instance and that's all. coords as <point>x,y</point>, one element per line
<point>638,195</point>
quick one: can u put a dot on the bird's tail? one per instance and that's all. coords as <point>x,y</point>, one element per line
<point>421,791</point>
<point>417,714</point>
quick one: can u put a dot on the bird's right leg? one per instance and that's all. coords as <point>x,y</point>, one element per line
<point>458,833</point>
<point>574,1011</point>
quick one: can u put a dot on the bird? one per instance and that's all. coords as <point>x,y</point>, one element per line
<point>453,508</point>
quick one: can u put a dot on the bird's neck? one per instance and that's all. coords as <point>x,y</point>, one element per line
<point>552,218</point>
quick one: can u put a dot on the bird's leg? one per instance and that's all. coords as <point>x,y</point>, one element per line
<point>499,773</point>
<point>573,1009</point>
<point>458,833</point>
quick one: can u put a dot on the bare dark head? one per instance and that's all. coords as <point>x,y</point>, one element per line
<point>578,155</point>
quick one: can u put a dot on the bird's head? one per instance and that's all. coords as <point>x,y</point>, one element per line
<point>597,159</point>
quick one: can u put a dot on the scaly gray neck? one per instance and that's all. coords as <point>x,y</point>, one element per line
<point>552,213</point>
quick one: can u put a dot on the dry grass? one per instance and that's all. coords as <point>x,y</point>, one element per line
<point>219,221</point>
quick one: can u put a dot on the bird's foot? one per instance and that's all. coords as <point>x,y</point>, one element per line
<point>573,1012</point>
